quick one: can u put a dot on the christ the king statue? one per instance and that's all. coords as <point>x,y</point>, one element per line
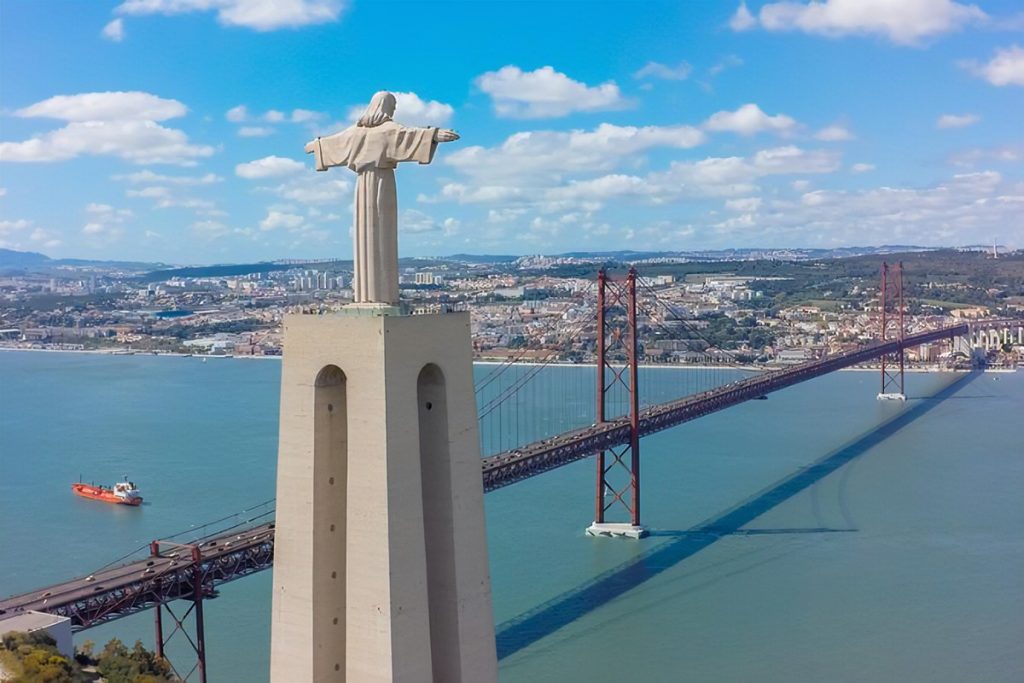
<point>372,148</point>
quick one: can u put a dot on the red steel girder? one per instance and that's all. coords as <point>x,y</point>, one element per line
<point>891,295</point>
<point>617,341</point>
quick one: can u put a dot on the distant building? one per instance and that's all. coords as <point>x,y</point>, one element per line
<point>795,355</point>
<point>428,278</point>
<point>972,312</point>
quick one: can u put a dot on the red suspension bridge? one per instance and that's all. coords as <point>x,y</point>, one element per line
<point>524,415</point>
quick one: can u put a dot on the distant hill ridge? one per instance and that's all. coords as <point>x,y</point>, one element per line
<point>9,258</point>
<point>12,259</point>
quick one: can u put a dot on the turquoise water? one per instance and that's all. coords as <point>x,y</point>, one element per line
<point>819,535</point>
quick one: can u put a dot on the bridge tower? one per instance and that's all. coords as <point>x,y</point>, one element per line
<point>198,590</point>
<point>892,364</point>
<point>618,469</point>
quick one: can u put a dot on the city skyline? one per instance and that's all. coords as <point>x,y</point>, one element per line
<point>178,134</point>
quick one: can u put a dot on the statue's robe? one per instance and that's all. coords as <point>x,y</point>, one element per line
<point>373,153</point>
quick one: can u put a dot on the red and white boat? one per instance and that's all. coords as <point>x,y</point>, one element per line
<point>123,493</point>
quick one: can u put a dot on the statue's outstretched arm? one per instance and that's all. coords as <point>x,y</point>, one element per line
<point>445,135</point>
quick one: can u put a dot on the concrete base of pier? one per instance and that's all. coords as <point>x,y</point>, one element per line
<point>892,397</point>
<point>616,530</point>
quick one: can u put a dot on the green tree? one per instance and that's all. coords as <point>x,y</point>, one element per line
<point>118,664</point>
<point>37,660</point>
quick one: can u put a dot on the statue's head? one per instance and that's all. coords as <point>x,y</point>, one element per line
<point>380,109</point>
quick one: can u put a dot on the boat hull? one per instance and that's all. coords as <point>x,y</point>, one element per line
<point>103,495</point>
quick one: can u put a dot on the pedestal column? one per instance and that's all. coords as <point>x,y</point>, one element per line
<point>380,569</point>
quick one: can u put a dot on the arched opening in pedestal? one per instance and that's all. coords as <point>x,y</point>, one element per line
<point>438,524</point>
<point>330,485</point>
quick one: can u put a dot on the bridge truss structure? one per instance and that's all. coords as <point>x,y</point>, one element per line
<point>892,309</point>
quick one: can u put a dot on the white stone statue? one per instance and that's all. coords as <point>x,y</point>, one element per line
<point>372,148</point>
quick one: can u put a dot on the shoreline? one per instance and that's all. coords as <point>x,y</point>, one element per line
<point>668,366</point>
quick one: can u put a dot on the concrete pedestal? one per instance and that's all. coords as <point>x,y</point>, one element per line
<point>616,530</point>
<point>380,568</point>
<point>892,397</point>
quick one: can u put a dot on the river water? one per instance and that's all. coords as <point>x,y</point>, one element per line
<point>818,535</point>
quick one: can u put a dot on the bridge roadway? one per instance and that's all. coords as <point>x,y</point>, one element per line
<point>129,588</point>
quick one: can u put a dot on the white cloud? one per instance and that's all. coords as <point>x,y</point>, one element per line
<point>241,114</point>
<point>306,115</point>
<point>727,62</point>
<point>8,227</point>
<point>122,124</point>
<point>504,215</point>
<point>260,15</point>
<point>957,120</point>
<point>279,219</point>
<point>154,192</point>
<point>451,226</point>
<point>106,212</point>
<point>140,142</point>
<point>1006,68</point>
<point>862,168</point>
<point>745,204</point>
<point>545,93</point>
<point>413,221</point>
<point>719,176</point>
<point>596,190</point>
<point>731,175</point>
<point>45,238</point>
<point>742,19</point>
<point>268,167</point>
<point>536,156</point>
<point>834,133</point>
<point>3,191</point>
<point>411,110</point>
<point>477,194</point>
<point>679,72</point>
<point>320,188</point>
<point>904,22</point>
<point>114,31</point>
<point>165,198</point>
<point>105,222</point>
<point>147,176</point>
<point>953,212</point>
<point>105,106</point>
<point>748,120</point>
<point>1000,154</point>
<point>711,177</point>
<point>12,233</point>
<point>255,131</point>
<point>201,206</point>
<point>210,229</point>
<point>416,112</point>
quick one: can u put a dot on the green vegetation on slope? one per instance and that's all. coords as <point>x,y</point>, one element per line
<point>34,658</point>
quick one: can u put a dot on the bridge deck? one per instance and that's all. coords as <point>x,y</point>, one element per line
<point>128,588</point>
<point>520,463</point>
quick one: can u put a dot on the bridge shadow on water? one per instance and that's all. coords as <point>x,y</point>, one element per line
<point>529,627</point>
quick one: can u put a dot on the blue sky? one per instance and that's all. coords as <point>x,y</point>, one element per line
<point>173,130</point>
